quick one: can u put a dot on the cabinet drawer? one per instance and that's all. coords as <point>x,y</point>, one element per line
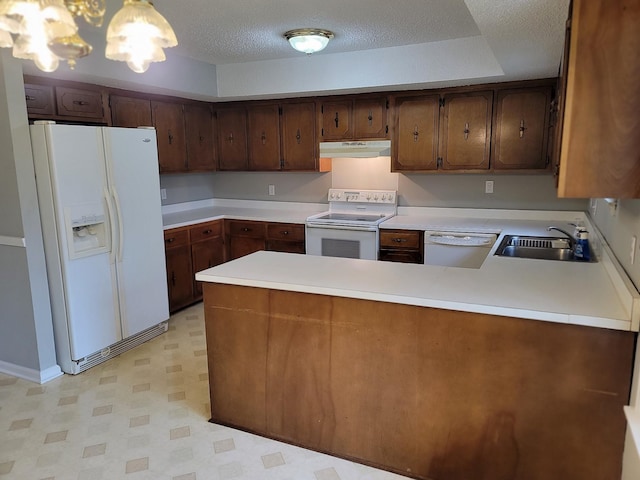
<point>284,246</point>
<point>400,256</point>
<point>39,99</point>
<point>205,231</point>
<point>400,238</point>
<point>76,102</point>
<point>246,229</point>
<point>176,238</point>
<point>285,231</point>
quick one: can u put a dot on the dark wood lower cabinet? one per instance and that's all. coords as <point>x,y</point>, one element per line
<point>179,268</point>
<point>426,393</point>
<point>404,246</point>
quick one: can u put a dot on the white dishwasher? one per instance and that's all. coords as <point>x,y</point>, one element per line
<point>457,249</point>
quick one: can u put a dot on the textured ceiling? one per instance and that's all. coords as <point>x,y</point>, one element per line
<point>249,30</point>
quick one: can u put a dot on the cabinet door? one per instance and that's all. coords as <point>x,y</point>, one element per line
<point>168,119</point>
<point>600,140</point>
<point>466,131</point>
<point>232,138</point>
<point>415,142</point>
<point>179,276</point>
<point>76,102</point>
<point>264,137</point>
<point>205,255</point>
<point>336,120</point>
<point>299,144</point>
<point>40,99</point>
<point>199,131</point>
<point>521,129</point>
<point>130,111</point>
<point>370,118</point>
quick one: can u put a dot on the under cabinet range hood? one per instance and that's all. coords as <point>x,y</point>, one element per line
<point>356,149</point>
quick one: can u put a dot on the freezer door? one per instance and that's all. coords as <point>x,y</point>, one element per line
<point>71,179</point>
<point>132,166</point>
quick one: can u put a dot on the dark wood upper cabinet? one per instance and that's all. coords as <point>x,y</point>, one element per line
<point>337,120</point>
<point>264,137</point>
<point>354,118</point>
<point>522,128</point>
<point>130,111</point>
<point>40,99</point>
<point>370,118</point>
<point>198,120</point>
<point>600,140</point>
<point>232,138</point>
<point>466,131</point>
<point>299,143</point>
<point>415,138</point>
<point>76,102</point>
<point>168,119</point>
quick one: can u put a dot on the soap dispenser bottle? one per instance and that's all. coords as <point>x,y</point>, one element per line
<point>582,251</point>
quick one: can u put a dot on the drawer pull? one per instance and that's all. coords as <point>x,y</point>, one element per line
<point>207,231</point>
<point>284,232</point>
<point>399,240</point>
<point>170,240</point>
<point>246,229</point>
<point>29,98</point>
<point>81,103</point>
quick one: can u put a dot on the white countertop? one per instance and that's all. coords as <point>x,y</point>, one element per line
<point>181,215</point>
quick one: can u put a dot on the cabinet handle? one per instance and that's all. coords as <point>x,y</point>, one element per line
<point>370,118</point>
<point>263,137</point>
<point>230,137</point>
<point>415,133</point>
<point>29,98</point>
<point>399,240</point>
<point>337,120</point>
<point>201,139</point>
<point>170,240</point>
<point>173,279</point>
<point>298,136</point>
<point>246,229</point>
<point>522,128</point>
<point>170,137</point>
<point>466,131</point>
<point>207,231</point>
<point>284,232</point>
<point>82,103</point>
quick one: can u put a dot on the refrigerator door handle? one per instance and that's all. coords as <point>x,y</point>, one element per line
<point>116,199</point>
<point>107,200</point>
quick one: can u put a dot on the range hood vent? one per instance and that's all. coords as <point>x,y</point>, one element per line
<point>356,149</point>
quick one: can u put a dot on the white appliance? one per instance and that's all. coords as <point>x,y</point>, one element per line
<point>456,249</point>
<point>350,227</point>
<point>99,199</point>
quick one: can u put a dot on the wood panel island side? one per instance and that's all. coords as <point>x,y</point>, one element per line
<point>430,393</point>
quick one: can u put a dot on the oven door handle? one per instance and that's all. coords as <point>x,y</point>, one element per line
<point>358,228</point>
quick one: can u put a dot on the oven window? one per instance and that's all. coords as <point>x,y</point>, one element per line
<point>333,247</point>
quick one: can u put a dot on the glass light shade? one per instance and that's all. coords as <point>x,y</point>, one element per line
<point>137,34</point>
<point>308,40</point>
<point>9,22</point>
<point>57,19</point>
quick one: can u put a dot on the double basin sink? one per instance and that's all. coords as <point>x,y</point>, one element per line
<point>544,248</point>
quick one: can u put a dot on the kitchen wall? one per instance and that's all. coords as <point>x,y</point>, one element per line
<point>26,331</point>
<point>527,192</point>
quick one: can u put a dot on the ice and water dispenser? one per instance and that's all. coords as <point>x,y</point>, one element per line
<point>87,232</point>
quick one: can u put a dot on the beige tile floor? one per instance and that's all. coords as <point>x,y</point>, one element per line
<point>143,415</point>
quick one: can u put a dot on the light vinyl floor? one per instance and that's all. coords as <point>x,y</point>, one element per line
<point>144,415</point>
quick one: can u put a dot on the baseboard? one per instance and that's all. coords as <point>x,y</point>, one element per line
<point>36,376</point>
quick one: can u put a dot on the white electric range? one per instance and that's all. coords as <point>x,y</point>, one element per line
<point>350,227</point>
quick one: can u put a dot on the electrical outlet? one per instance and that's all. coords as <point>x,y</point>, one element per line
<point>594,206</point>
<point>163,193</point>
<point>632,251</point>
<point>488,186</point>
<point>272,189</point>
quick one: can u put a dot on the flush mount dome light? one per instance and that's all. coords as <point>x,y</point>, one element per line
<point>308,40</point>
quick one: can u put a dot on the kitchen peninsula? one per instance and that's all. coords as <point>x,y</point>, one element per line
<point>519,369</point>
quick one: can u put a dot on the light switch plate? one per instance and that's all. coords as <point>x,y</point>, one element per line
<point>272,189</point>
<point>163,193</point>
<point>488,186</point>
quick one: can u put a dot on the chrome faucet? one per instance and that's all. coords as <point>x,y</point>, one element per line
<point>572,240</point>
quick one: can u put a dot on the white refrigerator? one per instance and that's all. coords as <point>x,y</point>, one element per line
<point>99,201</point>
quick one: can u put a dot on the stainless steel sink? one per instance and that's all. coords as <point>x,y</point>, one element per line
<point>544,248</point>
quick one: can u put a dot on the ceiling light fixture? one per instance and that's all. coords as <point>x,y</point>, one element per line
<point>45,32</point>
<point>308,40</point>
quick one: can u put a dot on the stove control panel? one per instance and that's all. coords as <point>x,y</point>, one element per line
<point>363,196</point>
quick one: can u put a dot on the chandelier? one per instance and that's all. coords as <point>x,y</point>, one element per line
<point>45,31</point>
